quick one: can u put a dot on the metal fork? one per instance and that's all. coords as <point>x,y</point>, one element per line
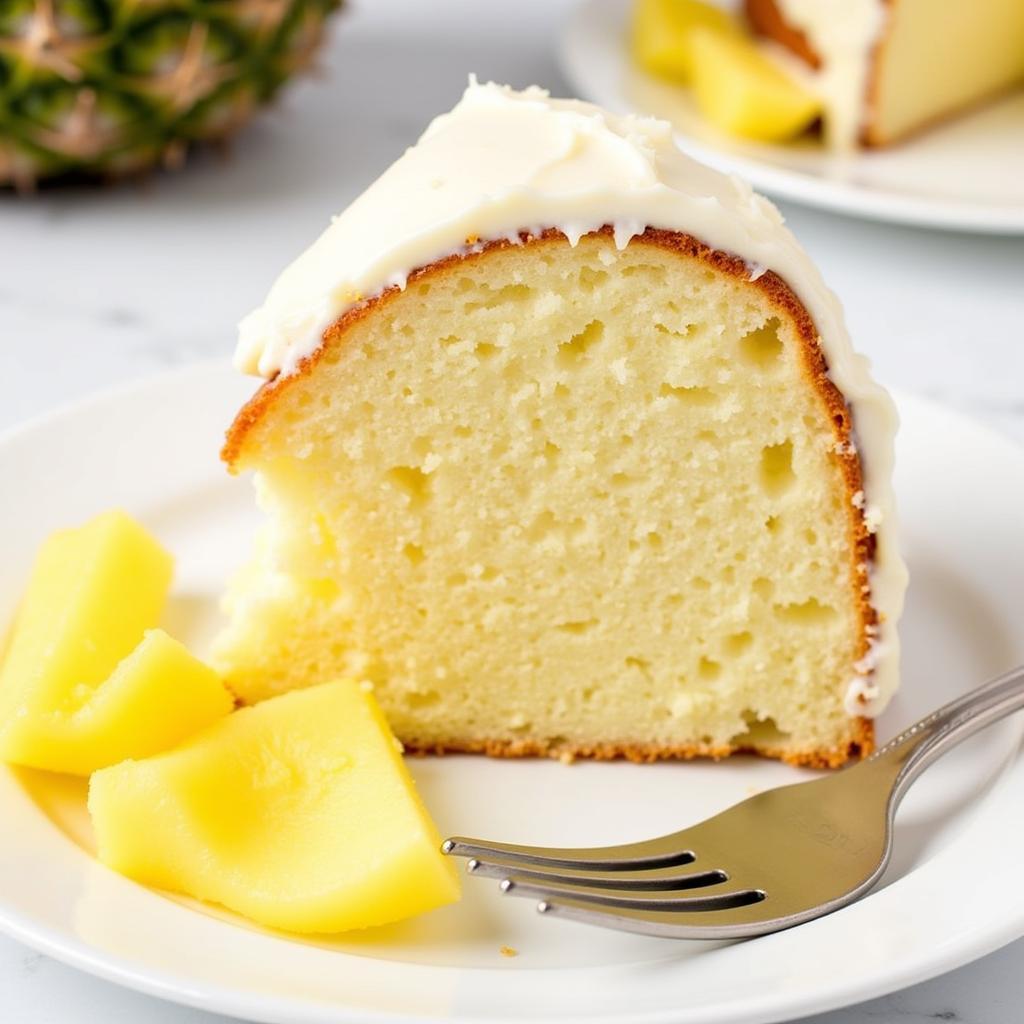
<point>778,859</point>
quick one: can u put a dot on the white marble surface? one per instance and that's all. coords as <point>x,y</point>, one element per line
<point>104,286</point>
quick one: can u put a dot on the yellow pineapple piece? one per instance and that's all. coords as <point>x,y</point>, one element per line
<point>662,31</point>
<point>93,591</point>
<point>743,92</point>
<point>298,813</point>
<point>158,696</point>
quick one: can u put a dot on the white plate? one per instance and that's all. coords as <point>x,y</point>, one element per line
<point>953,892</point>
<point>966,175</point>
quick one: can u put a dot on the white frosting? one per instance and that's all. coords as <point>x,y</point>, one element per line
<point>843,34</point>
<point>505,162</point>
<point>862,692</point>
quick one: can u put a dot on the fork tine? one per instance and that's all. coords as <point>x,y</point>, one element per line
<point>651,853</point>
<point>665,879</point>
<point>713,925</point>
<point>635,899</point>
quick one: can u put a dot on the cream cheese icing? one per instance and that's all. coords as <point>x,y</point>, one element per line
<point>843,34</point>
<point>504,162</point>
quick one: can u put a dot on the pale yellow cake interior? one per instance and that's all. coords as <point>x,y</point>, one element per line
<point>940,57</point>
<point>560,500</point>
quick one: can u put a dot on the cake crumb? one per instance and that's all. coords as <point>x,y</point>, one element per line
<point>508,951</point>
<point>566,757</point>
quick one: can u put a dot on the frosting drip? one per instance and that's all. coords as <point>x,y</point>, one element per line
<point>505,162</point>
<point>843,34</point>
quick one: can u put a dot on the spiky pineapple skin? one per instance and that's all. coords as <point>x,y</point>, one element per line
<point>110,87</point>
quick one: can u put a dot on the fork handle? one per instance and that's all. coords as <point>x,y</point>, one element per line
<point>922,744</point>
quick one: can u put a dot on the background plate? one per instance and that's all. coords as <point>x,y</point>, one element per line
<point>967,175</point>
<point>152,448</point>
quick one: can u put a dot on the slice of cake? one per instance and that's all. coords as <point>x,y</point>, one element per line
<point>887,68</point>
<point>564,447</point>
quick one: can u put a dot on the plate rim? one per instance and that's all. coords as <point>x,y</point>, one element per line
<point>173,987</point>
<point>258,1009</point>
<point>808,190</point>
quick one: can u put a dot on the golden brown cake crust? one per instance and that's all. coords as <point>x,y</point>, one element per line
<point>783,299</point>
<point>862,744</point>
<point>767,20</point>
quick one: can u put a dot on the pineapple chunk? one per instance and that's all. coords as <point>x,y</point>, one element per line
<point>662,31</point>
<point>158,696</point>
<point>744,93</point>
<point>298,813</point>
<point>92,593</point>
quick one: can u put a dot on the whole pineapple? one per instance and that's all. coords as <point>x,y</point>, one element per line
<point>108,87</point>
